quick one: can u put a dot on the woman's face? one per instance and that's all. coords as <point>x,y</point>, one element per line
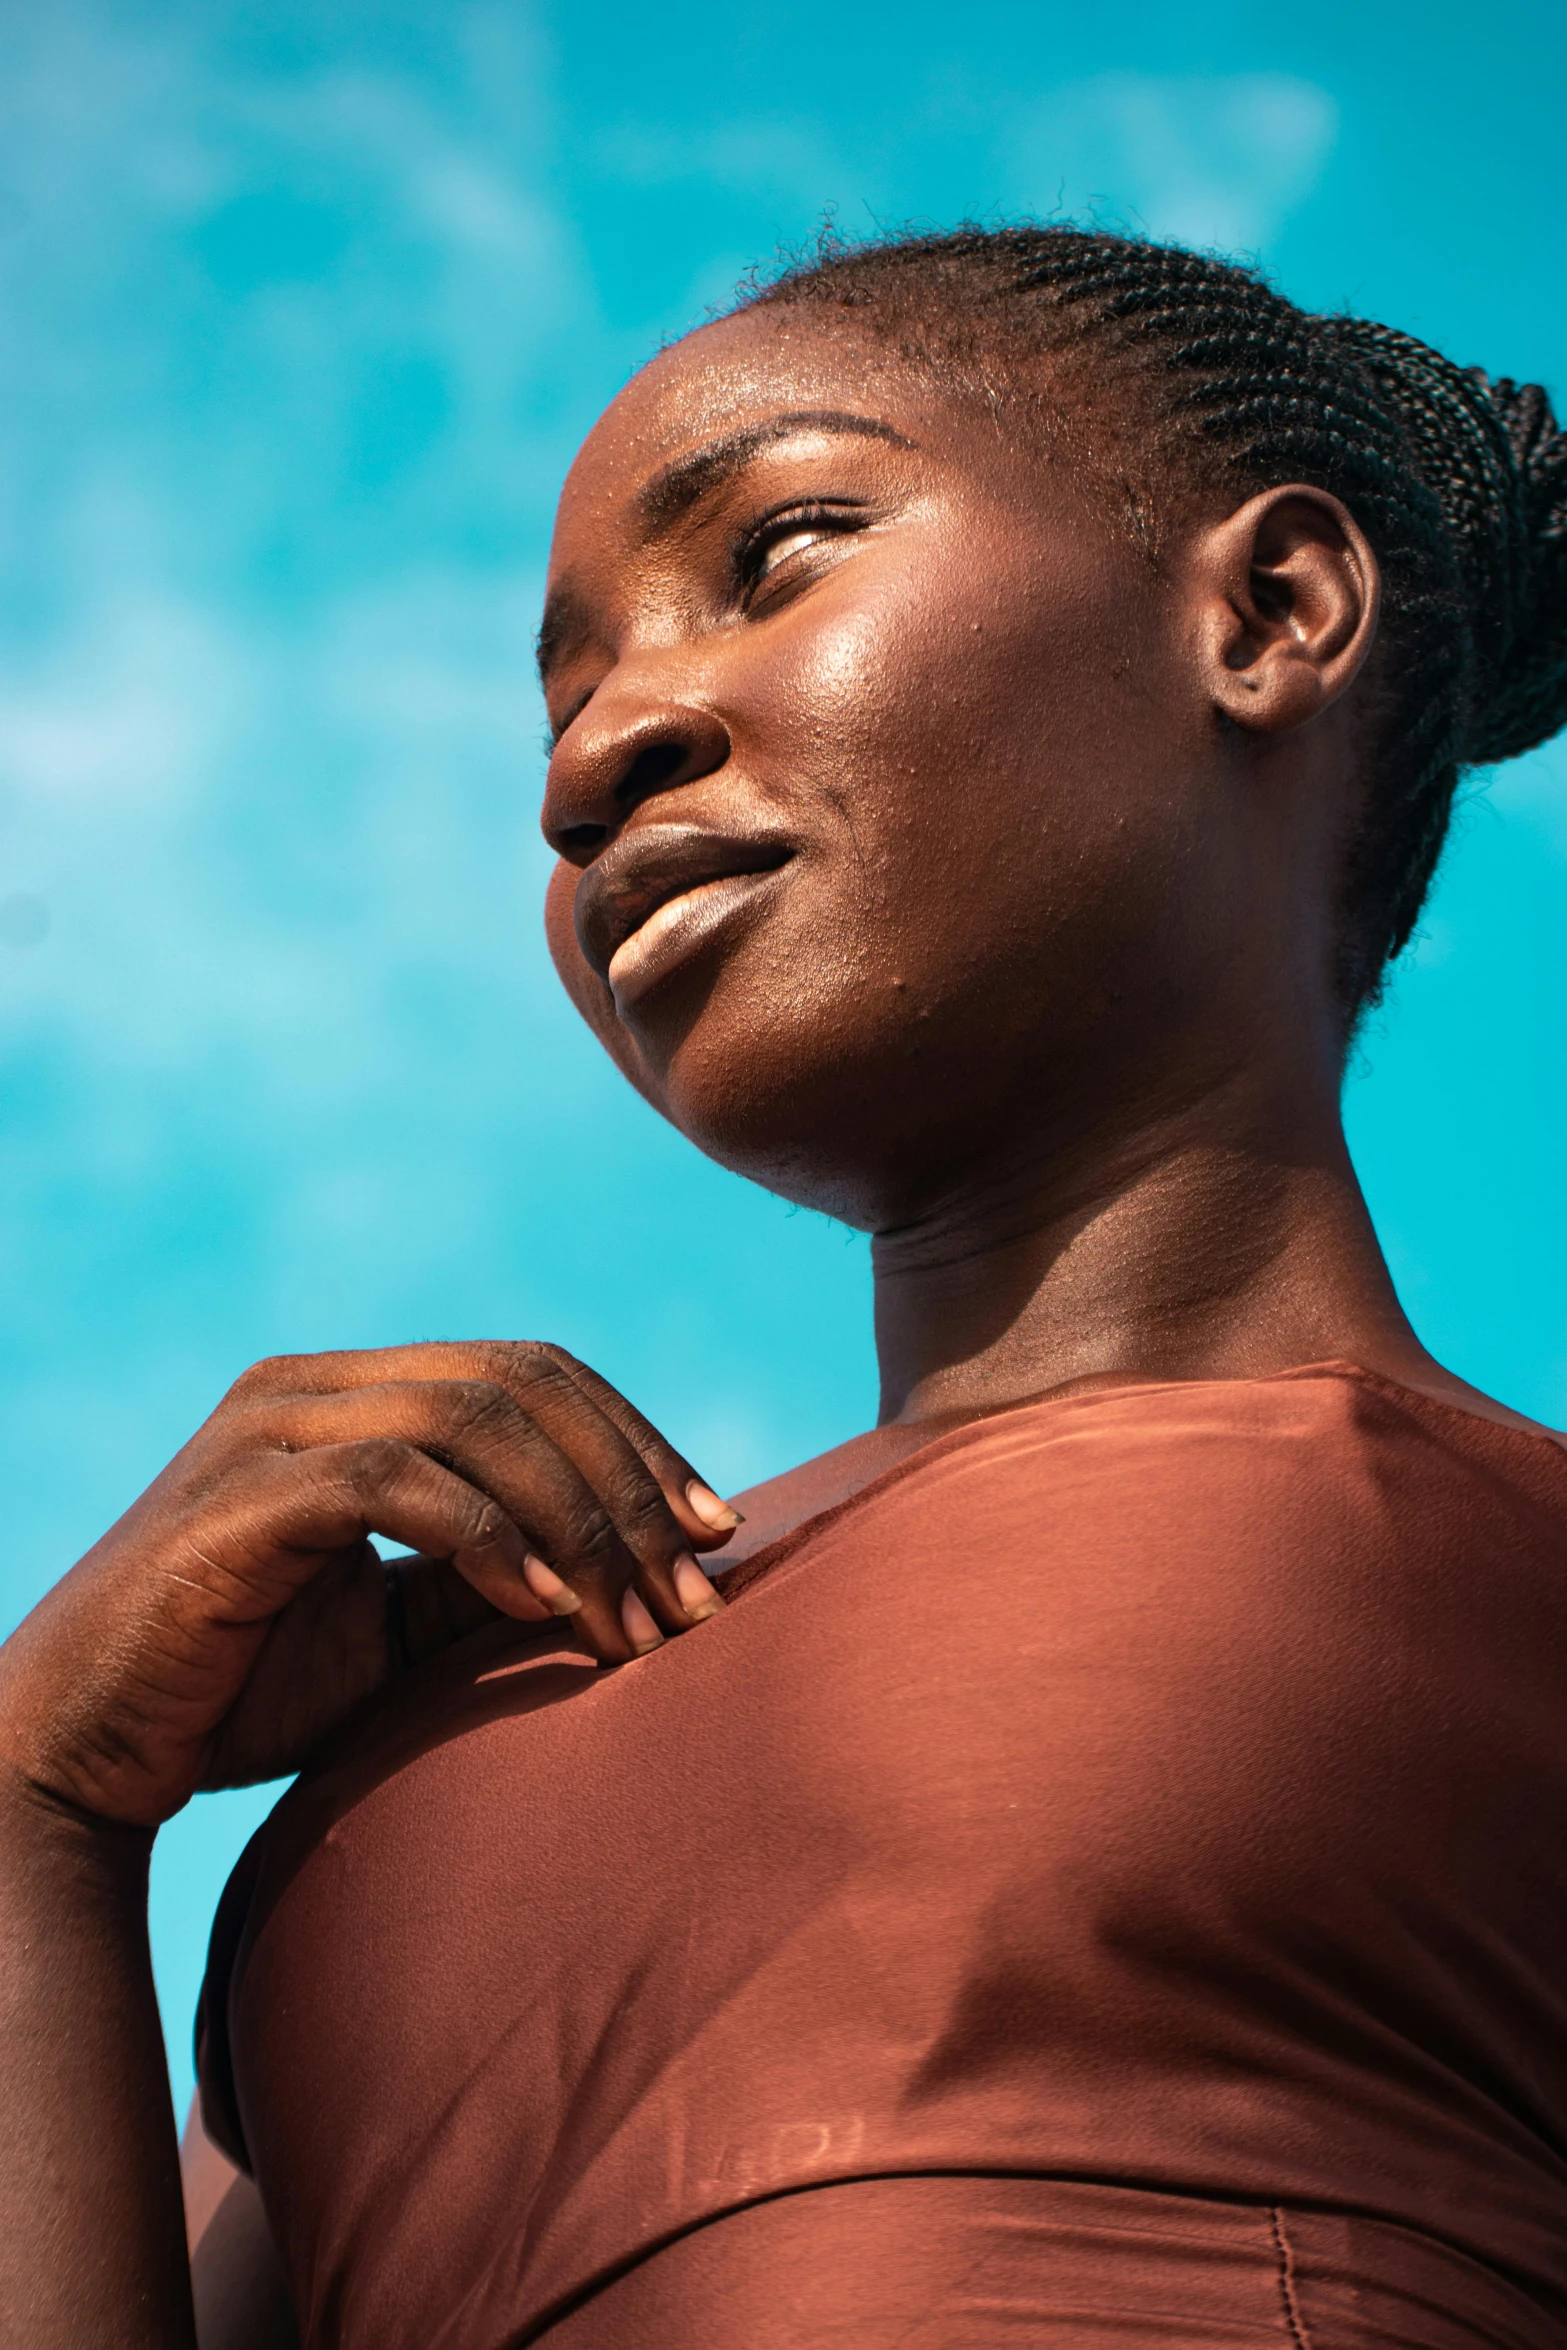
<point>896,829</point>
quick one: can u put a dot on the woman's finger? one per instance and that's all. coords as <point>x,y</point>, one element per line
<point>707,1516</point>
<point>123,1722</point>
<point>258,1538</point>
<point>597,1515</point>
<point>524,1368</point>
<point>642,1485</point>
<point>585,1541</point>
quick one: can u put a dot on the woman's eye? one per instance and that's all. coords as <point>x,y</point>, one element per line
<point>786,543</point>
<point>773,546</point>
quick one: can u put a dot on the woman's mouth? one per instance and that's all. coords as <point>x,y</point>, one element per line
<point>675,929</point>
<point>660,892</point>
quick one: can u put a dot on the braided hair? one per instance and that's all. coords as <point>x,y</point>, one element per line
<point>1192,375</point>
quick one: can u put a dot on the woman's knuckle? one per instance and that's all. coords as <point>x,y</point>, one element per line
<point>250,1424</point>
<point>476,1406</point>
<point>490,1525</point>
<point>503,1356</point>
<point>270,1376</point>
<point>537,1361</point>
<point>539,1376</point>
<point>642,1509</point>
<point>591,1531</point>
<point>375,1462</point>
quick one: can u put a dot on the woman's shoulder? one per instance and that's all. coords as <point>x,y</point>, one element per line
<point>1339,1402</point>
<point>777,1506</point>
<point>1437,1385</point>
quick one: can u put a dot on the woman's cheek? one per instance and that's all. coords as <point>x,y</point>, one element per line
<point>856,659</point>
<point>560,932</point>
<point>586,990</point>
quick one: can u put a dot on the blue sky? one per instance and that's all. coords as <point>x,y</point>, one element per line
<point>305,307</point>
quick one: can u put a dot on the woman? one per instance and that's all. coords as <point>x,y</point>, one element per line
<point>1094,1872</point>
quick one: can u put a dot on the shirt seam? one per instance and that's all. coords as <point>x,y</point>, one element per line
<point>1288,2294</point>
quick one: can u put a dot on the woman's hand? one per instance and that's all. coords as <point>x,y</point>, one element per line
<point>237,1612</point>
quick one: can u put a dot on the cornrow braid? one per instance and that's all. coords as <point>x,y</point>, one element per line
<point>1459,483</point>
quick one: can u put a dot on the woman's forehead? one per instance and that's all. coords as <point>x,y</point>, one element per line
<point>746,374</point>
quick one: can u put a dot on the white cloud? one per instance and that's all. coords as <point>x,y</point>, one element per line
<point>267,718</point>
<point>233,828</point>
<point>1209,160</point>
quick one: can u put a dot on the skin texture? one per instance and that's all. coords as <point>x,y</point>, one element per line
<point>1042,994</point>
<point>925,855</point>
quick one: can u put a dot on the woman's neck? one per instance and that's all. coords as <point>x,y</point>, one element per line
<point>1204,1251</point>
<point>1195,1250</point>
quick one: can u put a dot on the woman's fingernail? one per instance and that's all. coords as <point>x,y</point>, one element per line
<point>641,1630</point>
<point>697,1595</point>
<point>545,1584</point>
<point>711,1510</point>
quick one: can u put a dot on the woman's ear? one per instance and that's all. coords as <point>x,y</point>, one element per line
<point>1287,591</point>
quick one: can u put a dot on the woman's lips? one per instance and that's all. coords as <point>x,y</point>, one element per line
<point>675,929</point>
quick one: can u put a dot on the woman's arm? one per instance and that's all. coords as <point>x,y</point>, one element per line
<point>76,1982</point>
<point>93,2252</point>
<point>234,1618</point>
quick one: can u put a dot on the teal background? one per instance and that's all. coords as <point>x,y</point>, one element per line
<point>304,308</point>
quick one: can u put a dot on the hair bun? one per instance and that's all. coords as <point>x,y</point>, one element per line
<point>1530,701</point>
<point>1497,463</point>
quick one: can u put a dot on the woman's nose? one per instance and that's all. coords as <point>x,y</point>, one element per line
<point>607,764</point>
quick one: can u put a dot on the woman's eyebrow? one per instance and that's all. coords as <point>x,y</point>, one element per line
<point>676,487</point>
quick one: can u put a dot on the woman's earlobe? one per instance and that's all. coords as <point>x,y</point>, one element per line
<point>1290,589</point>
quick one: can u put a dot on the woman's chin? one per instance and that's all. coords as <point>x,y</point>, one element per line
<point>773,1056</point>
<point>816,1129</point>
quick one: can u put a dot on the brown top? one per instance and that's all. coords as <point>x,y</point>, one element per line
<point>1157,1789</point>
